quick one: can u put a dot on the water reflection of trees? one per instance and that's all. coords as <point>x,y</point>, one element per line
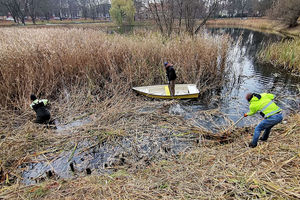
<point>250,42</point>
<point>247,73</point>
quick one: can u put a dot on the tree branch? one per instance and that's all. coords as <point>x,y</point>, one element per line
<point>213,7</point>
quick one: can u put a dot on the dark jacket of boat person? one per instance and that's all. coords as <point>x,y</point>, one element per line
<point>263,103</point>
<point>39,106</point>
<point>171,75</point>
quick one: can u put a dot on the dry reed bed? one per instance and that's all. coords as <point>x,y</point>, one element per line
<point>90,74</point>
<point>22,140</point>
<point>230,171</point>
<point>84,72</point>
<point>285,54</point>
<point>258,23</point>
<point>48,61</point>
<point>109,119</point>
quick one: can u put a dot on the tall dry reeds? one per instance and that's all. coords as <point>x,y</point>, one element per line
<point>257,23</point>
<point>48,61</point>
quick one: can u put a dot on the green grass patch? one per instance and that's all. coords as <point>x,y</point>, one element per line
<point>37,192</point>
<point>285,54</point>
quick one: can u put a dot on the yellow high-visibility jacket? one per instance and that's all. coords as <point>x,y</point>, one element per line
<point>42,102</point>
<point>264,105</point>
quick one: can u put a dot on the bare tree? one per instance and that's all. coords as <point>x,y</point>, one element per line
<point>84,8</point>
<point>32,7</point>
<point>16,8</point>
<point>46,9</point>
<point>165,12</point>
<point>191,8</point>
<point>3,10</point>
<point>139,5</point>
<point>211,8</point>
<point>261,6</point>
<point>156,13</point>
<point>191,11</point>
<point>231,7</point>
<point>168,15</point>
<point>243,4</point>
<point>179,10</point>
<point>286,10</point>
<point>61,8</point>
<point>93,9</point>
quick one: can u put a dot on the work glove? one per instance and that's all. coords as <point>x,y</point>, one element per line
<point>245,115</point>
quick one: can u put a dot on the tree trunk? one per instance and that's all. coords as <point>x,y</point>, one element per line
<point>164,15</point>
<point>156,17</point>
<point>214,6</point>
<point>180,4</point>
<point>33,20</point>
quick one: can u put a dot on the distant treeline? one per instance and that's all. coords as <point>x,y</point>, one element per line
<point>20,10</point>
<point>162,11</point>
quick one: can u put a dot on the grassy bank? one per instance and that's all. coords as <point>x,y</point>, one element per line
<point>262,24</point>
<point>4,23</point>
<point>283,54</point>
<point>259,23</point>
<point>230,171</point>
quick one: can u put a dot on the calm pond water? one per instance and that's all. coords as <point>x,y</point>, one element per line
<point>247,75</point>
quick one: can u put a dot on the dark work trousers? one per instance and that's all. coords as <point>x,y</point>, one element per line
<point>172,87</point>
<point>42,116</point>
<point>267,124</point>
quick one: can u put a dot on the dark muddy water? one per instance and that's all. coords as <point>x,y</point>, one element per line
<point>246,75</point>
<point>135,151</point>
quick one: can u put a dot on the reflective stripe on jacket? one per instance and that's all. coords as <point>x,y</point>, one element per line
<point>44,102</point>
<point>264,105</point>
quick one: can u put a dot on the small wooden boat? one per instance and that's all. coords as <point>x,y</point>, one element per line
<point>182,91</point>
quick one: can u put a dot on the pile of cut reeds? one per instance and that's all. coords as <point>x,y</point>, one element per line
<point>228,171</point>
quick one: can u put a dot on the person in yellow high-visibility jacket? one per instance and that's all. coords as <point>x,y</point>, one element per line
<point>39,106</point>
<point>271,113</point>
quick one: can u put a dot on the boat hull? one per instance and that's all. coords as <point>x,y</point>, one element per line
<point>182,91</point>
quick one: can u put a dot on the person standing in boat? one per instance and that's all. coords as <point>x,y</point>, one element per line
<point>39,106</point>
<point>171,75</point>
<point>263,103</point>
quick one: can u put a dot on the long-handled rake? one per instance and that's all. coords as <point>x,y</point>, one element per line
<point>226,131</point>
